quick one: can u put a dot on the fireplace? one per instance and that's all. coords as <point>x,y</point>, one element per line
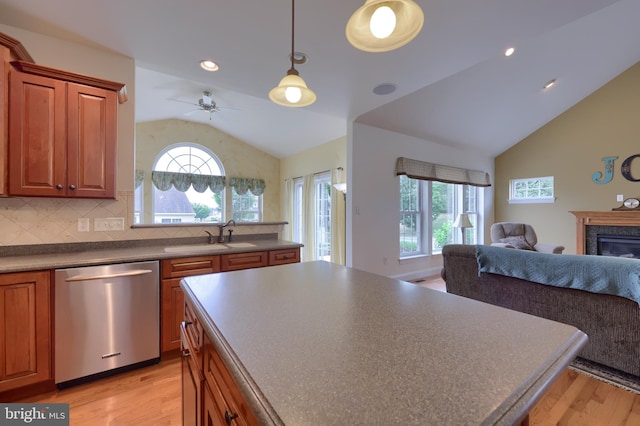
<point>618,246</point>
<point>591,224</point>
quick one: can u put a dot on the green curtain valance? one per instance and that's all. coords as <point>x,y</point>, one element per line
<point>417,169</point>
<point>182,181</point>
<point>242,185</point>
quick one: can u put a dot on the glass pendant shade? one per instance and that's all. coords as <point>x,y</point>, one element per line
<point>292,92</point>
<point>384,25</point>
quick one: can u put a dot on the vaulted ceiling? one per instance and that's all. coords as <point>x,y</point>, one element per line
<point>454,85</point>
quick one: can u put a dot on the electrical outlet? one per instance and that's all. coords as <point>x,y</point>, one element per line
<point>620,197</point>
<point>83,224</point>
<point>108,224</point>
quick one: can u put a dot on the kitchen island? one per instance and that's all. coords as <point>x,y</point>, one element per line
<point>323,344</point>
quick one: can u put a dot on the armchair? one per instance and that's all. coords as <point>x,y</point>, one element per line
<point>520,236</point>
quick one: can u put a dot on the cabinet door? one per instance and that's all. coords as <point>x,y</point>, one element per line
<point>91,141</point>
<point>4,120</point>
<point>172,314</point>
<point>37,136</point>
<point>25,329</point>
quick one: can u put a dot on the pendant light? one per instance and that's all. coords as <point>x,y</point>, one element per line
<point>384,25</point>
<point>292,90</point>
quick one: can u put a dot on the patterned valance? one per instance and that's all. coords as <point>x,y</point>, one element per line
<point>416,169</point>
<point>139,178</point>
<point>242,185</point>
<point>182,181</point>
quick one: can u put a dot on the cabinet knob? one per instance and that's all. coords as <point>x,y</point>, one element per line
<point>72,187</point>
<point>228,417</point>
<point>58,186</point>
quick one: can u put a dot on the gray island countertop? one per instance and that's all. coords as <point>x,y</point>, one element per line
<point>321,344</point>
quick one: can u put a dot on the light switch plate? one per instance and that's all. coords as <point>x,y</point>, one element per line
<point>620,197</point>
<point>83,224</point>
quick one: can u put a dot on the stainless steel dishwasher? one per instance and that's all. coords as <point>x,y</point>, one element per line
<point>106,320</point>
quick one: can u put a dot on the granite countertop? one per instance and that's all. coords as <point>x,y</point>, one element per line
<point>323,344</point>
<point>57,256</point>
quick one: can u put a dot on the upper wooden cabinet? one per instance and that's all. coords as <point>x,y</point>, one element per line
<point>10,50</point>
<point>62,134</point>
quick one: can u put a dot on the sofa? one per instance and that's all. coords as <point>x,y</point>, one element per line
<point>612,322</point>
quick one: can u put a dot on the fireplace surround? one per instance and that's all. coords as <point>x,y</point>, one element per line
<point>590,224</point>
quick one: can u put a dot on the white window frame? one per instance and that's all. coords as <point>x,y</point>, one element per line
<point>248,194</point>
<point>322,216</point>
<point>188,162</point>
<point>425,231</point>
<point>533,185</point>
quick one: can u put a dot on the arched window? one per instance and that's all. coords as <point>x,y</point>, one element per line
<point>174,206</point>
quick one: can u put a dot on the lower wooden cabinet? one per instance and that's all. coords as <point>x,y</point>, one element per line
<point>192,377</point>
<point>228,403</point>
<point>209,394</point>
<point>25,329</point>
<point>171,296</point>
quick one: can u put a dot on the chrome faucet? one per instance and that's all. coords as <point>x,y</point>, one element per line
<point>221,230</point>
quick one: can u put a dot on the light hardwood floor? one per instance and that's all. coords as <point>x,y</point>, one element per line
<point>152,396</point>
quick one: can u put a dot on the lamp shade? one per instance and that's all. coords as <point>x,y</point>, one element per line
<point>292,92</point>
<point>383,25</point>
<point>462,221</point>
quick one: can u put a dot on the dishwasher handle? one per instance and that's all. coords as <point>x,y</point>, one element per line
<point>131,273</point>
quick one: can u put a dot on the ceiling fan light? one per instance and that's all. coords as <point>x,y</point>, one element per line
<point>287,91</point>
<point>409,21</point>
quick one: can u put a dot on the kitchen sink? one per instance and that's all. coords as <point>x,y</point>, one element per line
<point>195,248</point>
<point>205,247</point>
<point>240,245</point>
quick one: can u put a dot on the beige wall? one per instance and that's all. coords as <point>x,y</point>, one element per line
<point>238,158</point>
<point>330,155</point>
<point>570,148</point>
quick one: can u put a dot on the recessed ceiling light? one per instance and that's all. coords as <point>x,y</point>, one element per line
<point>510,51</point>
<point>549,84</point>
<point>209,65</point>
<point>384,88</point>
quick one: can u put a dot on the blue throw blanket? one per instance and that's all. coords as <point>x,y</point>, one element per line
<point>597,274</point>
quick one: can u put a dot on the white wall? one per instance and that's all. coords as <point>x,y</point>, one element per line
<point>373,198</point>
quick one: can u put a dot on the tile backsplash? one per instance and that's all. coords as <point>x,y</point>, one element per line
<point>25,221</point>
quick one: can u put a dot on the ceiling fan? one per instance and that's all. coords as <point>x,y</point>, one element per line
<point>205,103</point>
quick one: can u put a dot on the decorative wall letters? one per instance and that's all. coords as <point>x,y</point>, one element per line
<point>625,170</point>
<point>598,178</point>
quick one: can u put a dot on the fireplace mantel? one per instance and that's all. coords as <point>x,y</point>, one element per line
<point>606,218</point>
